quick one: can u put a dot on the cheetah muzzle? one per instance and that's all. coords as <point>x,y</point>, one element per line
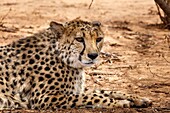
<point>45,70</point>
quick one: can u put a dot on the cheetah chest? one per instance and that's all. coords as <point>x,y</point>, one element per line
<point>79,83</point>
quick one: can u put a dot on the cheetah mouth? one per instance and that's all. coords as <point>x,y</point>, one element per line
<point>89,63</point>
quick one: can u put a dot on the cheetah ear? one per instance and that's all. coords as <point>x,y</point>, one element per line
<point>96,23</point>
<point>57,27</point>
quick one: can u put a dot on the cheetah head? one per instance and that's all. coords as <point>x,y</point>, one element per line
<point>80,42</point>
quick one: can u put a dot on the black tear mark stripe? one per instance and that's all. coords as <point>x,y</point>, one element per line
<point>84,46</point>
<point>81,53</point>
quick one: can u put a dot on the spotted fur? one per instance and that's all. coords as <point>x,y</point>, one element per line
<point>45,70</point>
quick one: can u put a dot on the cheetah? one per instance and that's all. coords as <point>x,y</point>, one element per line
<point>45,71</point>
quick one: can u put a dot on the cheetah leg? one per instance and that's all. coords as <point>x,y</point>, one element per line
<point>9,102</point>
<point>93,100</point>
<point>96,100</point>
<point>135,100</point>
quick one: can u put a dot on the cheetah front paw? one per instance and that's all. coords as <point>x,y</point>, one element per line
<point>141,102</point>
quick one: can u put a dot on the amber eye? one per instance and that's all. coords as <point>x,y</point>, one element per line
<point>99,39</point>
<point>80,39</point>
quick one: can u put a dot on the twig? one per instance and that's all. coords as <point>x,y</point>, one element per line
<point>165,58</point>
<point>8,29</point>
<point>4,38</point>
<point>121,67</point>
<point>96,81</point>
<point>157,91</point>
<point>1,21</point>
<point>100,73</point>
<point>90,4</point>
<point>93,79</point>
<point>154,74</point>
<point>168,40</point>
<point>165,109</point>
<point>4,28</point>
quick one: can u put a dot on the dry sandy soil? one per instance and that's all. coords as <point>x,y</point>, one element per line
<point>136,53</point>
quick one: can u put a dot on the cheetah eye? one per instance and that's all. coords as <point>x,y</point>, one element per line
<point>99,39</point>
<point>79,39</point>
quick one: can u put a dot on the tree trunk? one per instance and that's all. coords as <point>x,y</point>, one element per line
<point>165,6</point>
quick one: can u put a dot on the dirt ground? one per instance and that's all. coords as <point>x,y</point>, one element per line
<point>136,53</point>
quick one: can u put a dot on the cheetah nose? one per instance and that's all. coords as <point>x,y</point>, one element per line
<point>92,55</point>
